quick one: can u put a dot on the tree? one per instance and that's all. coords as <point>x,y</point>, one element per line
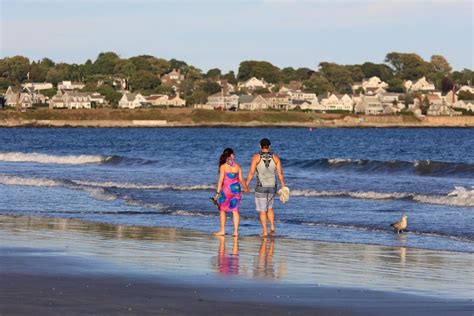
<point>177,64</point>
<point>144,80</point>
<point>464,77</point>
<point>447,84</point>
<point>105,63</point>
<point>15,68</point>
<point>318,84</point>
<point>395,85</point>
<point>109,93</point>
<point>258,69</point>
<point>287,74</point>
<point>379,70</point>
<point>303,73</point>
<point>210,87</point>
<point>408,66</point>
<point>213,73</point>
<point>338,75</point>
<point>440,64</point>
<point>230,77</point>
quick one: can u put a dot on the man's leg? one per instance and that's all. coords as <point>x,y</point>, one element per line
<point>263,221</point>
<point>271,218</point>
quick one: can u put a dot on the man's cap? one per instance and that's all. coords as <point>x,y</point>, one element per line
<point>265,142</point>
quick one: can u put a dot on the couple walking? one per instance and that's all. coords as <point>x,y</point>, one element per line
<point>266,164</point>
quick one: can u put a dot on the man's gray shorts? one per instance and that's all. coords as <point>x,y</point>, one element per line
<point>264,200</point>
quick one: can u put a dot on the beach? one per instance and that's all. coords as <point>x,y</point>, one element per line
<point>58,266</point>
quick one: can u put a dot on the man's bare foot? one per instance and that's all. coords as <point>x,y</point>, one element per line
<point>272,232</point>
<point>235,234</point>
<point>264,235</point>
<point>219,234</point>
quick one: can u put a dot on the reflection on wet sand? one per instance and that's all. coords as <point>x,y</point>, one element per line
<point>170,250</point>
<point>227,263</point>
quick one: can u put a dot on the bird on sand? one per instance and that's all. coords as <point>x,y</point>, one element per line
<point>401,225</point>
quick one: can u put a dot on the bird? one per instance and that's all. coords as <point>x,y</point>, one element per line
<point>401,225</point>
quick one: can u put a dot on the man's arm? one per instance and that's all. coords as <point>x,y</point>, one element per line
<point>279,170</point>
<point>253,165</point>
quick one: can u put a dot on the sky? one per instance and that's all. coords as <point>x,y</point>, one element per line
<point>222,33</point>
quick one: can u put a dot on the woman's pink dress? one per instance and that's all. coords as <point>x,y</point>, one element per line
<point>230,195</point>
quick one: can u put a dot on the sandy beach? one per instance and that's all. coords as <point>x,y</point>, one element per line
<point>60,266</point>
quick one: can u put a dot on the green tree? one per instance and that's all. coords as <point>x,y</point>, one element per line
<point>447,84</point>
<point>15,68</point>
<point>382,71</point>
<point>209,87</point>
<point>177,64</point>
<point>408,66</point>
<point>230,77</point>
<point>395,85</point>
<point>258,69</point>
<point>440,64</point>
<point>213,73</point>
<point>338,75</point>
<point>144,80</point>
<point>109,93</point>
<point>303,73</point>
<point>287,74</point>
<point>105,63</point>
<point>318,84</point>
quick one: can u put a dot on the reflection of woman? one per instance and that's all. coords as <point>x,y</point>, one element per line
<point>228,264</point>
<point>228,190</point>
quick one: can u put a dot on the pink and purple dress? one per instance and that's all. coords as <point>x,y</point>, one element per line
<point>230,195</point>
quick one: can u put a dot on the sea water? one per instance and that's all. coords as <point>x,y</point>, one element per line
<point>347,185</point>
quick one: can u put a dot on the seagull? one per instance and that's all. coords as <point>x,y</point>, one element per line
<point>401,225</point>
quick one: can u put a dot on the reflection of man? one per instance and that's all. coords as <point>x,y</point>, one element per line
<point>263,266</point>
<point>228,263</point>
<point>266,164</point>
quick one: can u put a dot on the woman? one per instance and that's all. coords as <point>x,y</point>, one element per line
<point>228,190</point>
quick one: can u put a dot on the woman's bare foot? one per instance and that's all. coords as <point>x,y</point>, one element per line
<point>235,234</point>
<point>219,233</point>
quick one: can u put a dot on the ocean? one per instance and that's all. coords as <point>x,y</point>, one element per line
<point>347,185</point>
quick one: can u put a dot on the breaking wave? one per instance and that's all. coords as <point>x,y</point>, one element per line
<point>460,196</point>
<point>72,159</point>
<point>418,167</point>
<point>127,185</point>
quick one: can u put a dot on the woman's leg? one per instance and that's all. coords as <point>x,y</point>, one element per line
<point>222,217</point>
<point>236,223</point>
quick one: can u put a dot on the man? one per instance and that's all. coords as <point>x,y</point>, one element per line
<point>266,164</point>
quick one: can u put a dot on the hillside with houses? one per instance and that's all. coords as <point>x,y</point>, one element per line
<point>404,85</point>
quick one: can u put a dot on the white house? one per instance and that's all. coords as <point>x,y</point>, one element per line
<point>370,105</point>
<point>277,101</point>
<point>37,86</point>
<point>442,110</point>
<point>69,85</point>
<point>337,103</point>
<point>176,101</point>
<point>252,103</point>
<point>25,97</point>
<point>420,85</point>
<point>131,100</point>
<point>157,99</point>
<point>253,84</point>
<point>97,98</point>
<point>303,96</point>
<point>370,85</point>
<point>223,101</point>
<point>467,89</point>
<point>70,100</point>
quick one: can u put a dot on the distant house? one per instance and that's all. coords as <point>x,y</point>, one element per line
<point>97,98</point>
<point>450,97</point>
<point>391,109</point>
<point>37,86</point>
<point>420,85</point>
<point>176,101</point>
<point>467,89</point>
<point>223,101</point>
<point>277,101</point>
<point>172,78</point>
<point>337,103</point>
<point>441,110</point>
<point>224,84</point>
<point>304,96</point>
<point>253,84</point>
<point>369,86</point>
<point>434,99</point>
<point>131,100</point>
<point>70,100</point>
<point>300,104</point>
<point>252,103</point>
<point>157,99</point>
<point>23,97</point>
<point>293,85</point>
<point>467,105</point>
<point>69,85</point>
<point>370,105</point>
<point>389,98</point>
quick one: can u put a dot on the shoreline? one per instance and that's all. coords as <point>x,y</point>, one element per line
<point>151,118</point>
<point>168,252</point>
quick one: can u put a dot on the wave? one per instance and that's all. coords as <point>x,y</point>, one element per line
<point>418,167</point>
<point>52,159</point>
<point>72,159</point>
<point>460,196</point>
<point>127,185</point>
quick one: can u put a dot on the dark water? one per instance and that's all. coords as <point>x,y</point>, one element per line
<point>347,185</point>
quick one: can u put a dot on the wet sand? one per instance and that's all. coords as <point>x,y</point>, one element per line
<point>60,266</point>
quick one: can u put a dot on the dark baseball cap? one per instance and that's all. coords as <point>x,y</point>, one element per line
<point>265,142</point>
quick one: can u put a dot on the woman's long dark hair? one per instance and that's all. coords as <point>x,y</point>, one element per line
<point>225,155</point>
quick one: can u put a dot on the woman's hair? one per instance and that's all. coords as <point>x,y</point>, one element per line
<point>225,155</point>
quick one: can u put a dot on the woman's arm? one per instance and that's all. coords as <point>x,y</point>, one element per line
<point>253,165</point>
<point>242,180</point>
<point>221,179</point>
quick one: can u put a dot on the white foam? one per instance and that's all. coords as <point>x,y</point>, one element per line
<point>460,196</point>
<point>127,185</point>
<point>35,182</point>
<point>51,159</point>
<point>335,161</point>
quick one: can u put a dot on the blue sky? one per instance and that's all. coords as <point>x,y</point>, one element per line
<point>208,34</point>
